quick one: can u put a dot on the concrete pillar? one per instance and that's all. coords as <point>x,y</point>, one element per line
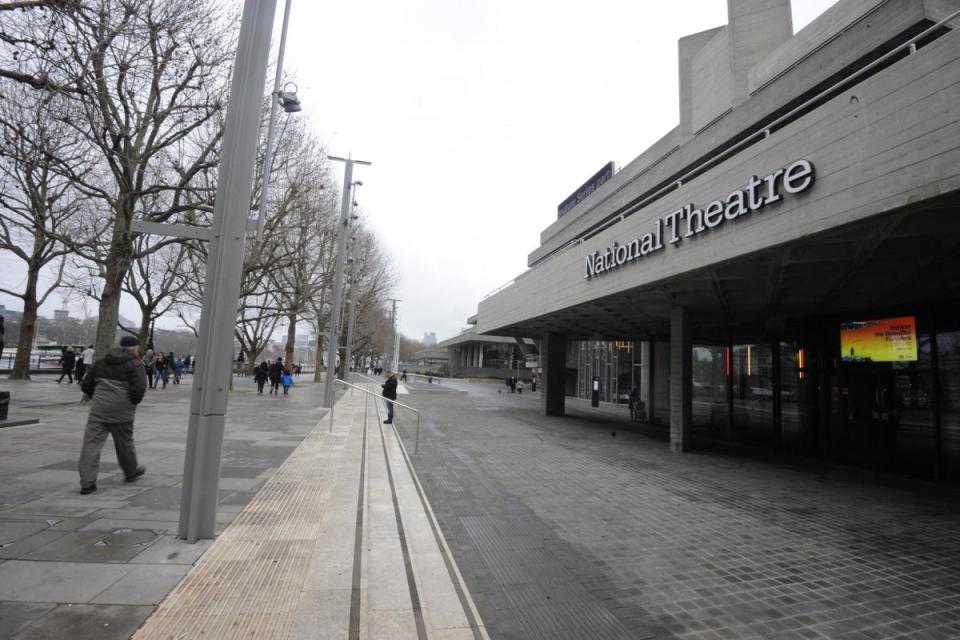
<point>646,376</point>
<point>480,361</point>
<point>553,360</point>
<point>681,381</point>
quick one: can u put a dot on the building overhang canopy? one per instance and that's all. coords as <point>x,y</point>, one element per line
<point>906,257</point>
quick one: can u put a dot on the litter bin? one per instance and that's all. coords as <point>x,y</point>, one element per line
<point>4,404</point>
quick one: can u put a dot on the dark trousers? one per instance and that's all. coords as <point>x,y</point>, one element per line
<point>94,437</point>
<point>66,371</point>
<point>389,411</point>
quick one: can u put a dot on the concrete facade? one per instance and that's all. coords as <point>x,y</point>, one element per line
<point>811,181</point>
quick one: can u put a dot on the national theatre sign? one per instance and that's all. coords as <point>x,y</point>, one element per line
<point>687,222</point>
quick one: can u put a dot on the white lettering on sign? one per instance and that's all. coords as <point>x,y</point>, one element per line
<point>687,221</point>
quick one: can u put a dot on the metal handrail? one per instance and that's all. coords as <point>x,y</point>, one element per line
<point>416,445</point>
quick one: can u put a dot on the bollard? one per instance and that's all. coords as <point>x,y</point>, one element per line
<point>4,404</point>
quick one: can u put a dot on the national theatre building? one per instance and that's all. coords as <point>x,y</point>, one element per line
<point>784,265</point>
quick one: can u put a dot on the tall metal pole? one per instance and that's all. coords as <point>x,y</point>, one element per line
<point>396,339</point>
<point>390,355</point>
<point>353,308</point>
<point>272,128</point>
<point>328,394</point>
<point>221,295</point>
<point>348,352</point>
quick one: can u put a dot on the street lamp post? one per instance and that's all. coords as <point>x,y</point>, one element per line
<point>291,105</point>
<point>328,395</point>
<point>208,402</point>
<point>348,351</point>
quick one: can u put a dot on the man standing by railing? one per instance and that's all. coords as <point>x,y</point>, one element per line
<point>390,393</point>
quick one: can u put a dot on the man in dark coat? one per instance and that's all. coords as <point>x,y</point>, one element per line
<point>390,393</point>
<point>68,360</point>
<point>275,374</point>
<point>114,385</point>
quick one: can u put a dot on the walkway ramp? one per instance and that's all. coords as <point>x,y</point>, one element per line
<point>340,543</point>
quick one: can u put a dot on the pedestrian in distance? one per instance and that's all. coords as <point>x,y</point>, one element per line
<point>78,367</point>
<point>114,387</point>
<point>149,366</point>
<point>86,358</point>
<point>177,370</point>
<point>390,393</point>
<point>161,373</point>
<point>276,374</point>
<point>68,360</point>
<point>260,376</point>
<point>533,383</point>
<point>520,387</point>
<point>403,376</point>
<point>287,380</point>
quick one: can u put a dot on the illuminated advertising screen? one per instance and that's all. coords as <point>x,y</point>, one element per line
<point>887,340</point>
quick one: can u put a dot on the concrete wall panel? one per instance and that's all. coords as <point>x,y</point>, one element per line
<point>898,142</point>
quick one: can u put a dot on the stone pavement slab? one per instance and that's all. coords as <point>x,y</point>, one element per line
<point>75,566</point>
<point>338,543</point>
<point>576,527</point>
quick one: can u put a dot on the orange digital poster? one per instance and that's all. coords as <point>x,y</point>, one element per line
<point>887,340</point>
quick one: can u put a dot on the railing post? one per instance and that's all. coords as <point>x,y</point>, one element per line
<point>416,443</point>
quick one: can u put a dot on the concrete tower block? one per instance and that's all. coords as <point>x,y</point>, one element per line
<point>756,28</point>
<point>694,96</point>
<point>714,64</point>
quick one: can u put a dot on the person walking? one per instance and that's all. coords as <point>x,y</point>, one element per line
<point>85,362</point>
<point>149,364</point>
<point>520,387</point>
<point>114,386</point>
<point>260,375</point>
<point>162,371</point>
<point>276,374</point>
<point>287,381</point>
<point>390,393</point>
<point>68,359</point>
<point>177,370</point>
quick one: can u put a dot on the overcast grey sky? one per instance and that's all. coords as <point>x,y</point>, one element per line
<point>480,116</point>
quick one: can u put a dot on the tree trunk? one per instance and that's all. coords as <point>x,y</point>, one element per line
<point>291,340</point>
<point>144,334</point>
<point>118,261</point>
<point>251,356</point>
<point>28,327</point>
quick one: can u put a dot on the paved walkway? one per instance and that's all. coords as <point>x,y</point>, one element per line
<point>339,543</point>
<point>576,528</point>
<point>96,566</point>
<point>324,532</point>
<point>514,525</point>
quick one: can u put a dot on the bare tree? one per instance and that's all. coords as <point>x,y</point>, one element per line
<point>37,203</point>
<point>150,78</point>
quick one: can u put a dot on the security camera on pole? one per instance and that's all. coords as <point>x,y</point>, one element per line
<point>328,395</point>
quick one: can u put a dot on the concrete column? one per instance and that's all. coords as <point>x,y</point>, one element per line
<point>681,381</point>
<point>553,360</point>
<point>646,375</point>
<point>480,354</point>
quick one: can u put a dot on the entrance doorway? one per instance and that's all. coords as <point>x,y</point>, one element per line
<point>870,417</point>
